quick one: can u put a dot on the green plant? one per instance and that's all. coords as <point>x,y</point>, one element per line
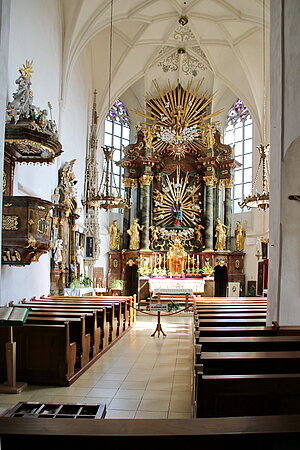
<point>144,270</point>
<point>172,306</point>
<point>75,284</point>
<point>116,284</point>
<point>86,281</point>
<point>207,271</point>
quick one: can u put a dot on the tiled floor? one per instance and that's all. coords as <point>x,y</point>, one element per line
<point>139,377</point>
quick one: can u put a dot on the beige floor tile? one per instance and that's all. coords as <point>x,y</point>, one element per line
<point>101,392</point>
<point>118,414</point>
<point>130,393</point>
<point>130,404</point>
<point>151,415</point>
<point>148,404</point>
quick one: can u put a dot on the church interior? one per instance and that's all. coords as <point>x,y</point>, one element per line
<point>150,179</point>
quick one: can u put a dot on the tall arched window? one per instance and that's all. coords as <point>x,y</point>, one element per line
<point>117,135</point>
<point>239,134</point>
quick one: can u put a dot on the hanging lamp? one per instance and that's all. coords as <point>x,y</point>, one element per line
<point>261,200</point>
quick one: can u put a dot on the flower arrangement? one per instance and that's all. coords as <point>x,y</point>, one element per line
<point>144,271</point>
<point>159,272</point>
<point>207,271</point>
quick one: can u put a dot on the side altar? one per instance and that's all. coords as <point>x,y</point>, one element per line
<point>178,179</point>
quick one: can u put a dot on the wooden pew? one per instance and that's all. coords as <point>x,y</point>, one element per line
<point>248,343</point>
<point>128,303</point>
<point>230,322</point>
<point>91,322</point>
<point>111,329</point>
<point>246,395</point>
<point>77,332</point>
<point>46,354</point>
<point>240,363</point>
<point>115,316</point>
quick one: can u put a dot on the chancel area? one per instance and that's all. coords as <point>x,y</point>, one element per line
<point>150,211</point>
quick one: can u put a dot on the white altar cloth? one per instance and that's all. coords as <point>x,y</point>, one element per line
<point>176,285</point>
<point>79,292</point>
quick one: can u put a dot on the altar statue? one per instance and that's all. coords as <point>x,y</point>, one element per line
<point>176,258</point>
<point>177,214</point>
<point>240,236</point>
<point>198,235</point>
<point>134,232</point>
<point>114,236</point>
<point>221,235</point>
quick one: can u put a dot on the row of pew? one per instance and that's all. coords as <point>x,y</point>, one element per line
<point>63,336</point>
<point>242,366</point>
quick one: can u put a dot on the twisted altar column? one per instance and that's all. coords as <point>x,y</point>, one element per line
<point>228,183</point>
<point>129,184</point>
<point>210,182</point>
<point>145,182</point>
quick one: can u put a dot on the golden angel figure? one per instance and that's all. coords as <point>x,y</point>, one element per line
<point>134,232</point>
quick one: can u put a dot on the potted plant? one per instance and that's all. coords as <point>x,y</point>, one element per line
<point>116,286</point>
<point>207,271</point>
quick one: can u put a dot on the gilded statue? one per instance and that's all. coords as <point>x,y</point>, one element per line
<point>176,258</point>
<point>134,232</point>
<point>221,235</point>
<point>240,236</point>
<point>114,236</point>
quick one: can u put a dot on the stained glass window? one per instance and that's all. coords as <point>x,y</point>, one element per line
<point>239,134</point>
<point>117,135</point>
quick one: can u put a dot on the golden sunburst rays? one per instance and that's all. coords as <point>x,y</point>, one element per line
<point>178,196</point>
<point>180,118</point>
<point>27,69</point>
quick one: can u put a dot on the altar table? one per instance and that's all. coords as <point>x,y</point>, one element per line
<point>176,285</point>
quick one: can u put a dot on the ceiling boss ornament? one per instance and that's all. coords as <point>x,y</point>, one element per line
<point>180,121</point>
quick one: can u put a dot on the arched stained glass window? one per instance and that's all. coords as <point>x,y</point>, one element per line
<point>117,135</point>
<point>239,134</point>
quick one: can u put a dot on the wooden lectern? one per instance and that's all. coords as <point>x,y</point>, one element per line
<point>11,317</point>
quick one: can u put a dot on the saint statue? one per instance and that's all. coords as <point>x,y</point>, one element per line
<point>198,234</point>
<point>221,235</point>
<point>57,251</point>
<point>240,236</point>
<point>176,257</point>
<point>177,214</point>
<point>114,236</point>
<point>134,232</point>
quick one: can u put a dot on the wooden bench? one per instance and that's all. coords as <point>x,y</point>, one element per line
<point>230,322</point>
<point>112,324</point>
<point>246,395</point>
<point>120,309</point>
<point>46,354</point>
<point>77,333</point>
<point>242,363</point>
<point>248,343</point>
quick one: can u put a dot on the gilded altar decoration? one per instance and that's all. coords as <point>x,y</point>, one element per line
<point>220,235</point>
<point>134,233</point>
<point>176,257</point>
<point>240,236</point>
<point>180,120</point>
<point>30,136</point>
<point>178,202</point>
<point>114,233</point>
<point>10,222</point>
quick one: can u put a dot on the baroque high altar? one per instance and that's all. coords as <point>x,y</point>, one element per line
<point>178,178</point>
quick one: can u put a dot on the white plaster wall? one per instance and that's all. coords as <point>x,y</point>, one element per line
<point>284,292</point>
<point>36,34</point>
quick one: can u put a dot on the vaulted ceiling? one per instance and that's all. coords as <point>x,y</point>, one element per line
<point>222,43</point>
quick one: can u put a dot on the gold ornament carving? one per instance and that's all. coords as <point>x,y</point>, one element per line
<point>10,223</point>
